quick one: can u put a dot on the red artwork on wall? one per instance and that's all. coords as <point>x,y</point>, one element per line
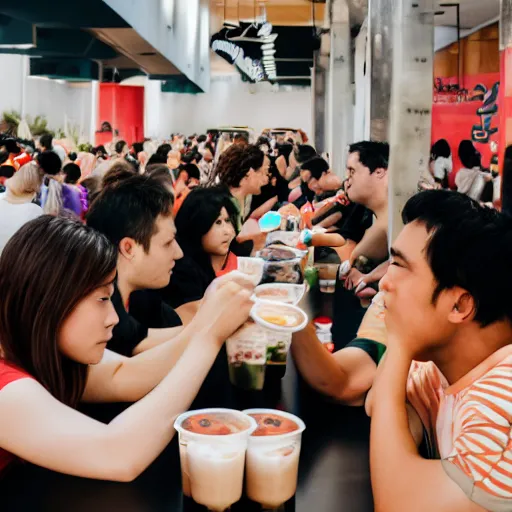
<point>475,117</point>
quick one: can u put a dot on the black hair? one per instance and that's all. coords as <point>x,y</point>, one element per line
<point>192,170</point>
<point>466,238</point>
<point>46,141</point>
<point>50,163</point>
<point>4,156</point>
<point>72,173</point>
<point>304,152</point>
<point>440,148</point>
<point>263,141</point>
<point>157,158</point>
<point>316,166</point>
<point>138,147</point>
<point>120,146</point>
<point>130,208</point>
<point>195,218</point>
<point>72,156</point>
<point>189,157</point>
<point>7,171</point>
<point>164,150</point>
<point>11,146</point>
<point>285,150</point>
<point>468,155</point>
<point>201,139</point>
<point>374,155</point>
<point>99,149</point>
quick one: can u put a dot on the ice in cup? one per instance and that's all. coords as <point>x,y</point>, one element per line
<point>247,357</point>
<point>272,461</point>
<point>213,444</point>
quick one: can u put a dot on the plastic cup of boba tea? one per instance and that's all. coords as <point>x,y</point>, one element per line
<point>272,461</point>
<point>213,444</point>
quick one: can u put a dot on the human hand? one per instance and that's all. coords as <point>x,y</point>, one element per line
<point>354,279</point>
<point>225,306</point>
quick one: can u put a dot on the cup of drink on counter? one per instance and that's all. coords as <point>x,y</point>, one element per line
<point>213,445</point>
<point>272,460</point>
<point>327,274</point>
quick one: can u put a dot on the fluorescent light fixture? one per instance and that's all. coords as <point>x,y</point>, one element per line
<point>268,58</point>
<point>27,46</point>
<point>268,46</point>
<point>269,52</point>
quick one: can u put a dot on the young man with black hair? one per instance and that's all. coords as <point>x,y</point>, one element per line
<point>136,215</point>
<point>450,356</point>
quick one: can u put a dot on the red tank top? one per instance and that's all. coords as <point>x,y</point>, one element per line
<point>8,374</point>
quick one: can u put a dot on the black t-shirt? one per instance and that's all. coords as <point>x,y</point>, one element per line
<point>355,220</point>
<point>188,283</point>
<point>147,311</point>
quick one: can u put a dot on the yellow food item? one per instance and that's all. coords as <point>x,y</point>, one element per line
<point>276,320</point>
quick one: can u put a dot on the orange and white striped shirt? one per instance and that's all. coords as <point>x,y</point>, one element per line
<point>469,426</point>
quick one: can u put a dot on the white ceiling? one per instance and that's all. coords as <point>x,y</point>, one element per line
<point>472,13</point>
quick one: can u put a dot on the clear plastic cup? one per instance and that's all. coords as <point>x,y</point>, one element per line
<point>247,357</point>
<point>327,274</point>
<point>212,466</point>
<point>272,462</point>
<point>252,267</point>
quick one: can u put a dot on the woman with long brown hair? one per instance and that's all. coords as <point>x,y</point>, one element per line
<point>56,318</point>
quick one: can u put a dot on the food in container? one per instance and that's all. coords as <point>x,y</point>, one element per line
<point>279,317</point>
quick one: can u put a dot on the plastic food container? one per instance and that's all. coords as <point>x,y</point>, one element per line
<point>280,292</point>
<point>252,267</point>
<point>279,317</point>
<point>272,461</point>
<point>212,466</point>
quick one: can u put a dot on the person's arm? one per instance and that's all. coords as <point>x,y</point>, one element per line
<point>355,278</point>
<point>264,208</point>
<point>401,479</point>
<point>330,221</point>
<point>346,375</point>
<point>157,337</point>
<point>374,244</point>
<point>41,430</point>
<point>130,379</point>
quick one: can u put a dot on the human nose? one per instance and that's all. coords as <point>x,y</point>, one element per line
<point>112,317</point>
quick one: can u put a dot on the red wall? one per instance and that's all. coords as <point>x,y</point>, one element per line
<point>123,107</point>
<point>457,121</point>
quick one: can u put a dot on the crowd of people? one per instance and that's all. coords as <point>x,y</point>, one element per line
<point>119,283</point>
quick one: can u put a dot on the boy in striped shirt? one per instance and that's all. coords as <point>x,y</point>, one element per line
<point>448,315</point>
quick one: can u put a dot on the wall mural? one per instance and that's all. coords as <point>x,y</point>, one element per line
<point>482,133</point>
<point>469,113</point>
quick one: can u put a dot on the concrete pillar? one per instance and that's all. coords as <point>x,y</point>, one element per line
<point>341,95</point>
<point>411,103</point>
<point>380,18</point>
<point>319,91</point>
<point>95,99</point>
<point>505,128</point>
